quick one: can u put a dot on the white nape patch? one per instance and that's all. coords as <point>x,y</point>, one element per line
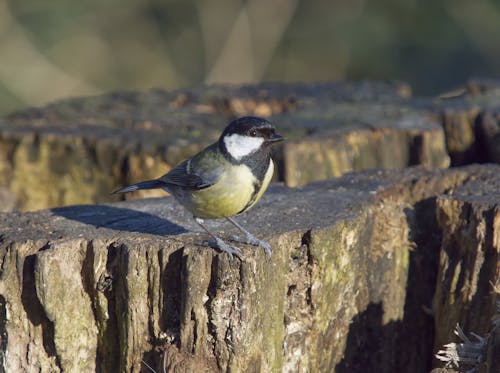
<point>240,146</point>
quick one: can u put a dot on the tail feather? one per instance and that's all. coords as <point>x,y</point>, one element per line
<point>149,184</point>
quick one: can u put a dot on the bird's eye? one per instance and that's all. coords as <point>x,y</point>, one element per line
<point>253,133</point>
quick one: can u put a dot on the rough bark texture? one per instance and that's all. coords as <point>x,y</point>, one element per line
<point>76,151</point>
<point>350,284</point>
<point>469,220</point>
<point>471,121</point>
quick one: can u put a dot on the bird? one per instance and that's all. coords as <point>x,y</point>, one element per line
<point>225,179</point>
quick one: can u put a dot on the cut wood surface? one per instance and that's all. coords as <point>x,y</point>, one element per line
<point>358,263</point>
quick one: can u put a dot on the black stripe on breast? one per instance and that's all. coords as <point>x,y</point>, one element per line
<point>259,164</point>
<point>256,189</point>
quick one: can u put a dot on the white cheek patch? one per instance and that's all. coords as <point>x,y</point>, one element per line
<point>240,146</point>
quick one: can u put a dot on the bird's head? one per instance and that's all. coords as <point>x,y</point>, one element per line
<point>246,136</point>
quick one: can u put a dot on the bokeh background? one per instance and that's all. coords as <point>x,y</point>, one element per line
<point>56,49</point>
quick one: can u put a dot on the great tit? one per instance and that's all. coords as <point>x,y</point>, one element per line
<point>225,179</point>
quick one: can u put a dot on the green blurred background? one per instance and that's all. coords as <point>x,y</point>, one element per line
<point>55,49</point>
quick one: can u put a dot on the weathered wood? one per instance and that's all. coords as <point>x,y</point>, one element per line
<point>76,151</point>
<point>469,269</point>
<point>471,121</point>
<point>350,283</point>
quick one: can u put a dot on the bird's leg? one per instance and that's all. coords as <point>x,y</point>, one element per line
<point>250,238</point>
<point>220,244</point>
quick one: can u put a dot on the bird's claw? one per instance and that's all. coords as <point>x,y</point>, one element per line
<point>228,249</point>
<point>251,240</point>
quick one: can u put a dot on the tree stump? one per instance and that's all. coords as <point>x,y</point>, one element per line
<point>357,264</point>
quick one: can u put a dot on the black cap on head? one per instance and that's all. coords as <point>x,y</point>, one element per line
<point>244,125</point>
<point>248,139</point>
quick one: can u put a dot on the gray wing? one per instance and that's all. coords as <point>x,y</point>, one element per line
<point>182,176</point>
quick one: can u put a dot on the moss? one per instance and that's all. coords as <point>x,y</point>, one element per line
<point>336,271</point>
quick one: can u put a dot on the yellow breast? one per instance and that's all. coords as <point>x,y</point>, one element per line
<point>229,196</point>
<point>225,198</point>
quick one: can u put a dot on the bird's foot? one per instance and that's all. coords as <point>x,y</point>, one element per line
<point>228,248</point>
<point>252,240</point>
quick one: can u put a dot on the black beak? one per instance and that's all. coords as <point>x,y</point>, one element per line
<point>275,138</point>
